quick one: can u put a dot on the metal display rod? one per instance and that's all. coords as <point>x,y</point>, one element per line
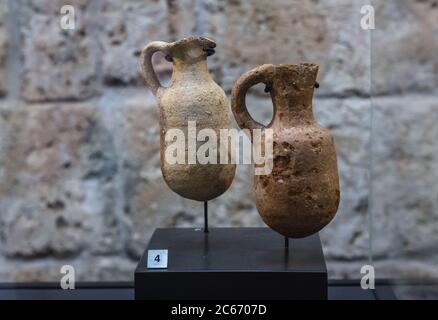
<point>205,216</point>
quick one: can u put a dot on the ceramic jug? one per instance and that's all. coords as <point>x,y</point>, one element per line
<point>301,194</point>
<point>192,96</point>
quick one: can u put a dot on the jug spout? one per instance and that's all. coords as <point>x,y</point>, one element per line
<point>189,58</point>
<point>295,81</point>
<point>189,51</point>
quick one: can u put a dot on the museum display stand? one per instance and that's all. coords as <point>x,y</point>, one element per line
<point>230,263</point>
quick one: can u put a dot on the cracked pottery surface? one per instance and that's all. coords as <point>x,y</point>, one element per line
<point>301,194</point>
<point>191,96</point>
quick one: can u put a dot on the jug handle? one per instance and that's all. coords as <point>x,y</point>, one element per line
<point>146,64</point>
<point>257,75</point>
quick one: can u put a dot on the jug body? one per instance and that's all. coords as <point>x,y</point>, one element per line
<point>301,194</point>
<point>191,103</point>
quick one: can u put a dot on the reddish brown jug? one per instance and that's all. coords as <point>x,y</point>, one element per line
<point>301,194</point>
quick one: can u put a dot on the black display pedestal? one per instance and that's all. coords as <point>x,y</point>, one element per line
<point>233,263</point>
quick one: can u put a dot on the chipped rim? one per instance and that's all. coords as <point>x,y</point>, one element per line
<point>305,65</point>
<point>204,40</point>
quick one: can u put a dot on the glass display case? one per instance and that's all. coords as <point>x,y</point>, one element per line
<point>403,190</point>
<point>81,185</point>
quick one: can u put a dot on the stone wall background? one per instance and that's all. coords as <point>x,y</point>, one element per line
<point>80,181</point>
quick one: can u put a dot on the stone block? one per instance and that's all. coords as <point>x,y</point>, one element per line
<point>404,174</point>
<point>125,27</point>
<point>404,46</point>
<point>57,185</point>
<point>57,64</point>
<point>327,33</point>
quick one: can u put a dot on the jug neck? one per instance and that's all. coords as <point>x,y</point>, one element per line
<point>292,88</point>
<point>194,70</point>
<point>292,108</point>
<point>189,57</point>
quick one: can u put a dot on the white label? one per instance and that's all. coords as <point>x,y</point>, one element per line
<point>157,259</point>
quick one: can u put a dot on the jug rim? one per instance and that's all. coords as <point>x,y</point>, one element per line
<point>304,65</point>
<point>305,68</point>
<point>208,42</point>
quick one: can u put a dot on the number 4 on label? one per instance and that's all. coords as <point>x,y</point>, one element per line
<point>157,259</point>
